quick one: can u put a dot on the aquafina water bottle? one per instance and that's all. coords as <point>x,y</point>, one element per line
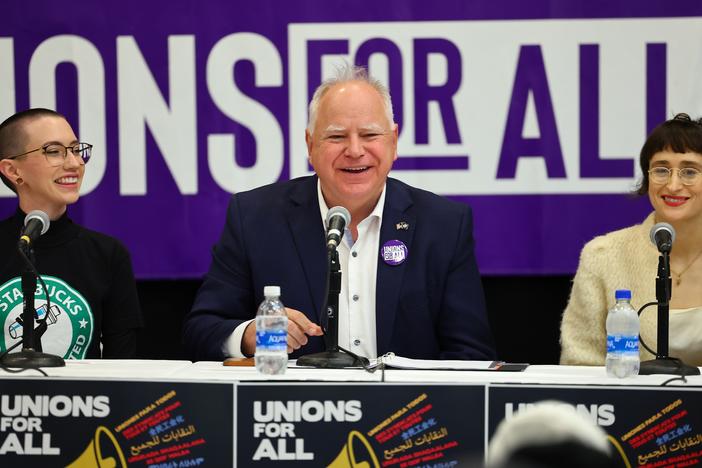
<point>271,334</point>
<point>622,337</point>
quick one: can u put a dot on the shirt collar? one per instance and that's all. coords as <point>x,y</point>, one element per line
<point>324,209</point>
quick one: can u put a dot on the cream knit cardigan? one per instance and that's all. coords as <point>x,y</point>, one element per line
<point>624,259</point>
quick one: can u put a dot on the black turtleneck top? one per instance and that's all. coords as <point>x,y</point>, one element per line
<point>94,305</point>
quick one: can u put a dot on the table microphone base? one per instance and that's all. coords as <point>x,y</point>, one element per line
<point>31,359</point>
<point>331,360</point>
<point>667,365</point>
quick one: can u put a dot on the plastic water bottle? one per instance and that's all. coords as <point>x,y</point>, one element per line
<point>271,334</point>
<point>622,337</point>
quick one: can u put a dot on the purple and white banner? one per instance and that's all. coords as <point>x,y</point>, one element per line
<point>531,112</point>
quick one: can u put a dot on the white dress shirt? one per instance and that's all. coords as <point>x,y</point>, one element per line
<point>359,267</point>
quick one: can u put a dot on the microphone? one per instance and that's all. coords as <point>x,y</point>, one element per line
<point>337,219</point>
<point>36,223</point>
<point>663,236</point>
<point>334,357</point>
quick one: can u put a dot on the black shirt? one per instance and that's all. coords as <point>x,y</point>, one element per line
<point>91,285</point>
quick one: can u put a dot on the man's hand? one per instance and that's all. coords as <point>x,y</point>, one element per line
<point>299,327</point>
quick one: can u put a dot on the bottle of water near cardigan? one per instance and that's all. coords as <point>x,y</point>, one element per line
<point>622,337</point>
<point>271,334</point>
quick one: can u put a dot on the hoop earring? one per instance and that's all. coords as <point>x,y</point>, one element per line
<point>19,181</point>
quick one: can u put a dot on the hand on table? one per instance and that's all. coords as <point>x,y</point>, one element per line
<point>299,328</point>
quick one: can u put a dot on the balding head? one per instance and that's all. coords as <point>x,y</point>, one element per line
<point>345,74</point>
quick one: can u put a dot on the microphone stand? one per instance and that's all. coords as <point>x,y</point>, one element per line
<point>664,364</point>
<point>334,357</point>
<point>31,356</point>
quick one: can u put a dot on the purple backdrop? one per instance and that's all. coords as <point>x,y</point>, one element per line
<point>524,224</point>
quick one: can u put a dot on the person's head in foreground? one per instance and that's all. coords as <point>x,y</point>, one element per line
<point>550,434</point>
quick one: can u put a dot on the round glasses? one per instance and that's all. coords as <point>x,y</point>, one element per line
<point>56,153</point>
<point>662,175</point>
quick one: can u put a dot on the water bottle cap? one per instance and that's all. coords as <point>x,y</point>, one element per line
<point>271,291</point>
<point>622,294</point>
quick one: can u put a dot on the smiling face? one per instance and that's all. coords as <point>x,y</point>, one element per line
<point>352,147</point>
<point>673,201</point>
<point>45,187</point>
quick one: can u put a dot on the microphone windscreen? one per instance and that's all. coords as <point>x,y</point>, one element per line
<point>38,215</point>
<point>339,211</point>
<point>662,227</point>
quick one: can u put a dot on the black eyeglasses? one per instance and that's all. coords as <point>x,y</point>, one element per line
<point>56,153</point>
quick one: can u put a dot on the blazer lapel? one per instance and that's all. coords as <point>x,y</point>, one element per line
<point>398,224</point>
<point>307,229</point>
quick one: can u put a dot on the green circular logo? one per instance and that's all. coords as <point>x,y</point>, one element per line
<point>69,318</point>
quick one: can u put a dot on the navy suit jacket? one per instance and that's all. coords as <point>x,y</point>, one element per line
<point>431,306</point>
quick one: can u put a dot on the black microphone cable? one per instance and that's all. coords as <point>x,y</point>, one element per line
<point>655,353</point>
<point>26,244</point>
<point>41,323</point>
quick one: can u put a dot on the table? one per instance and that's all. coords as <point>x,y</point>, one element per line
<point>178,414</point>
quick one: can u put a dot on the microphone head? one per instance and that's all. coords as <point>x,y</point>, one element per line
<point>660,228</point>
<point>40,216</point>
<point>339,211</point>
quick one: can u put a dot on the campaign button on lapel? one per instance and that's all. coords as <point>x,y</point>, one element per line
<point>394,252</point>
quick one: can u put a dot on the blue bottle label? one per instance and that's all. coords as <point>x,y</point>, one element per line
<point>272,340</point>
<point>623,344</point>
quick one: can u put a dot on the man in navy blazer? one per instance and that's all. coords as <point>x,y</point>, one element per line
<point>428,303</point>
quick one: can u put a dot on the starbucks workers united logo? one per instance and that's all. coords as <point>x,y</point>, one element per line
<point>70,319</point>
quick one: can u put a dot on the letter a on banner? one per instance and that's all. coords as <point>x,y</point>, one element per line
<point>531,77</point>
